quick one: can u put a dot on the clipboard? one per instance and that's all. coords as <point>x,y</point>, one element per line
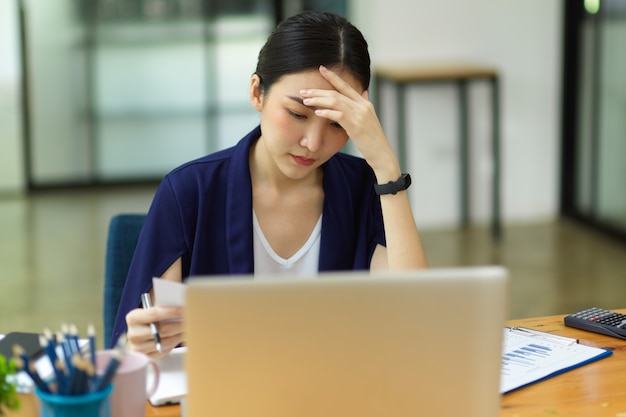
<point>28,341</point>
<point>530,356</point>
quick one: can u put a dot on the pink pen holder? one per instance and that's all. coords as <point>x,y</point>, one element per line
<point>130,381</point>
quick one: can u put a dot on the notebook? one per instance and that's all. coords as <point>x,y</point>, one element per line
<point>172,386</point>
<point>346,344</point>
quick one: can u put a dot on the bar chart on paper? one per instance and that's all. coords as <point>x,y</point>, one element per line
<point>530,358</point>
<point>526,356</point>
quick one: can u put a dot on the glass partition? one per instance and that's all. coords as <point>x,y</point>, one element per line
<point>593,163</point>
<point>170,81</point>
<point>126,90</point>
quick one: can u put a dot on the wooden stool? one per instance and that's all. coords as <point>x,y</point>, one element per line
<point>403,75</point>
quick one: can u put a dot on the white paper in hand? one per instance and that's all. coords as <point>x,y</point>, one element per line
<point>168,293</point>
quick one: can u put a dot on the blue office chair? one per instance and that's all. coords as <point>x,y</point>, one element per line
<point>122,240</point>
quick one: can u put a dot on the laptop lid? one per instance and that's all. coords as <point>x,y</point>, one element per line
<point>346,344</point>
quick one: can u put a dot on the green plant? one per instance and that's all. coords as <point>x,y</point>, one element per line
<point>8,395</point>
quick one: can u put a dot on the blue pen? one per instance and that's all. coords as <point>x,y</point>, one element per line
<point>65,331</point>
<point>67,353</point>
<point>78,382</point>
<point>50,346</point>
<point>62,381</point>
<point>74,345</point>
<point>90,371</point>
<point>73,378</point>
<point>109,373</point>
<point>22,362</point>
<point>91,333</point>
<point>68,334</point>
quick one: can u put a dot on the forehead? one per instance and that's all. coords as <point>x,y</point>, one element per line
<point>297,81</point>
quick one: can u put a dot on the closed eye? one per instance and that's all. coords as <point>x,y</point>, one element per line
<point>296,115</point>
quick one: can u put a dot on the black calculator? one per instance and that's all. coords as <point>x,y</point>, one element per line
<point>599,321</point>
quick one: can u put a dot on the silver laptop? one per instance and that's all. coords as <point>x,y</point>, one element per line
<point>407,344</point>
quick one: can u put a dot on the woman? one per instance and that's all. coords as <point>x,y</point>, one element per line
<point>283,200</point>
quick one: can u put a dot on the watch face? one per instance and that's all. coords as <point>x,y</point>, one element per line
<point>407,181</point>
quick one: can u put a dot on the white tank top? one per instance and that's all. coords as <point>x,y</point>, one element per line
<point>301,264</point>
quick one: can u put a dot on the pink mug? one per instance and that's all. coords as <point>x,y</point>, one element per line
<point>130,390</point>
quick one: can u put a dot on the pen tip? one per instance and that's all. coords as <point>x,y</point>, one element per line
<point>159,347</point>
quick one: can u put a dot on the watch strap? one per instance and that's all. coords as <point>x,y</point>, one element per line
<point>393,187</point>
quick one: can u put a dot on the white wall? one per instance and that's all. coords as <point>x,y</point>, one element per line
<point>523,41</point>
<point>11,150</point>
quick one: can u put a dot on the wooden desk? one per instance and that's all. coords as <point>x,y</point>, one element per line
<point>403,75</point>
<point>596,389</point>
<point>163,411</point>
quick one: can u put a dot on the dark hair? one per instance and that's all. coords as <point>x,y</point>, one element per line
<point>310,39</point>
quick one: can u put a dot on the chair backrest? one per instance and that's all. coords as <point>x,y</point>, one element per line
<point>124,230</point>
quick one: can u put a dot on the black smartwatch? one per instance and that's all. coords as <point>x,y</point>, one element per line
<point>392,187</point>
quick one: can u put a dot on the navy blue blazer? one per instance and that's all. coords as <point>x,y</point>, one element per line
<point>202,213</point>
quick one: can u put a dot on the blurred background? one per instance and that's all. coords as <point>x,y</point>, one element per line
<point>100,98</point>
